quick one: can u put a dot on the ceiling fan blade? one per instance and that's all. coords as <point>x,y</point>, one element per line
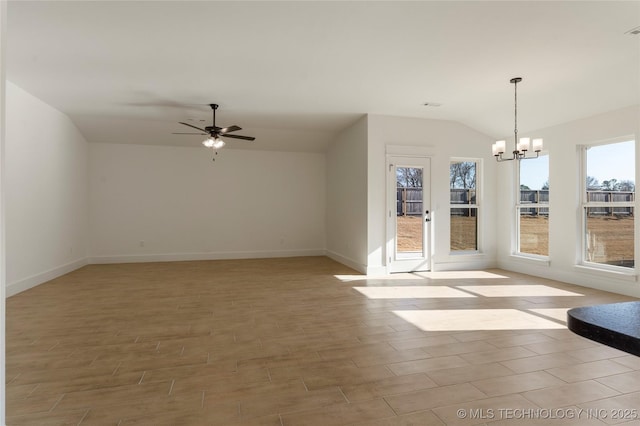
<point>246,138</point>
<point>201,134</point>
<point>187,124</point>
<point>229,129</point>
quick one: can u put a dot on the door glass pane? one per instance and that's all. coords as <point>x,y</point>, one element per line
<point>409,218</point>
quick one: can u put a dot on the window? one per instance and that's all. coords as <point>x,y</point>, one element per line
<point>607,205</point>
<point>463,184</point>
<point>532,208</point>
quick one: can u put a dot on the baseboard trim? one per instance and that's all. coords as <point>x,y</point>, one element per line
<point>346,261</point>
<point>464,264</point>
<point>37,279</point>
<point>181,257</point>
<point>586,278</point>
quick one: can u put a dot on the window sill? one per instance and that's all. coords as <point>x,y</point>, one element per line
<point>464,257</point>
<point>621,275</point>
<point>466,253</point>
<point>541,261</point>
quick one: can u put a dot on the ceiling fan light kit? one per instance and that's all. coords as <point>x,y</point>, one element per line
<point>215,133</point>
<point>215,143</point>
<point>522,146</point>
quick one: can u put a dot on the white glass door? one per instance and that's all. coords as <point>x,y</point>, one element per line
<point>409,215</point>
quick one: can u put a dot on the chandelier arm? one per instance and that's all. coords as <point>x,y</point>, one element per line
<point>500,159</point>
<point>524,157</point>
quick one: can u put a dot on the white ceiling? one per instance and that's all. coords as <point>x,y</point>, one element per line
<point>294,73</point>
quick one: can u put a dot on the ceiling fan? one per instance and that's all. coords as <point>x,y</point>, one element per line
<point>215,133</point>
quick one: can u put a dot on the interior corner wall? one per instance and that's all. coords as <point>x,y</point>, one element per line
<point>444,140</point>
<point>167,203</point>
<point>3,204</point>
<point>562,142</point>
<point>347,196</point>
<point>46,192</point>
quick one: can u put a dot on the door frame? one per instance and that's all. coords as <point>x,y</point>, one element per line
<point>392,160</point>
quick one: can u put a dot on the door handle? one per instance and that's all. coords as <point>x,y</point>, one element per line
<point>427,216</point>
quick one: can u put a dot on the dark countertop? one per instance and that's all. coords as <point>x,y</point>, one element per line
<point>615,324</point>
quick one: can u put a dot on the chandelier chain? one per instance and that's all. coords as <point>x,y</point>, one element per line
<point>515,111</point>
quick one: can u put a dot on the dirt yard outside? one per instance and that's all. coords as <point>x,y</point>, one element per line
<point>610,237</point>
<point>463,233</point>
<point>409,233</point>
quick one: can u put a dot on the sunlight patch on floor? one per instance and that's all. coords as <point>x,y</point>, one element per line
<point>476,319</point>
<point>516,290</point>
<point>411,292</point>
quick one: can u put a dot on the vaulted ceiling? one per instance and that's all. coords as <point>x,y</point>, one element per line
<point>295,73</point>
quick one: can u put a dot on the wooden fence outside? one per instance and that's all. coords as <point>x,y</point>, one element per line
<point>461,197</point>
<point>409,202</point>
<point>610,197</point>
<point>528,196</point>
<point>531,196</point>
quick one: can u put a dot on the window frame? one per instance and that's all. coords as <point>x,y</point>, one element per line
<point>518,205</point>
<point>476,205</point>
<point>584,203</point>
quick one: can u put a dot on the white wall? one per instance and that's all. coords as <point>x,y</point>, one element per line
<point>46,192</point>
<point>562,143</point>
<point>347,196</point>
<point>442,140</point>
<point>152,203</point>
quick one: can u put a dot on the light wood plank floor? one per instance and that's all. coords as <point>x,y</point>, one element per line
<point>307,341</point>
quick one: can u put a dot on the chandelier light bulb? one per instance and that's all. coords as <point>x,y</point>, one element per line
<point>524,144</point>
<point>537,145</point>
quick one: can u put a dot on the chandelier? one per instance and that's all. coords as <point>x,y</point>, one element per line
<point>521,147</point>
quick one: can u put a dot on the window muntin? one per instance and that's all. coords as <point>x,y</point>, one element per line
<point>608,195</point>
<point>532,207</point>
<point>464,206</point>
